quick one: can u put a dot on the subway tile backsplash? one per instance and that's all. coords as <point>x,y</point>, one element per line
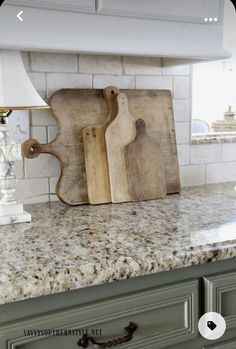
<point>199,164</point>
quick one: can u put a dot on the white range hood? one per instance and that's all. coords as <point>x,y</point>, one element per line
<point>173,29</point>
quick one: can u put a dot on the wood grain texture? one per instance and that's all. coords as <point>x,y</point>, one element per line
<point>144,166</point>
<point>73,109</point>
<point>118,134</point>
<point>155,108</point>
<point>95,153</point>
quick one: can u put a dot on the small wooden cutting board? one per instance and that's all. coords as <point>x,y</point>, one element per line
<point>118,134</point>
<point>145,166</point>
<point>156,109</point>
<point>73,110</point>
<point>95,153</point>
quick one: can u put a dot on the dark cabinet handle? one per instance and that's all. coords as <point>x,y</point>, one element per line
<point>84,341</point>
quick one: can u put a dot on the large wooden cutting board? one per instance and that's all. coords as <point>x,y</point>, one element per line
<point>118,134</point>
<point>145,166</point>
<point>73,109</point>
<point>155,107</point>
<point>95,153</point>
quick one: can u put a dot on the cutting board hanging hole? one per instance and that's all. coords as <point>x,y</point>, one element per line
<point>140,126</point>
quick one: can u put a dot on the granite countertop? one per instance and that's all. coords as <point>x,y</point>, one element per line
<point>67,248</point>
<point>211,138</point>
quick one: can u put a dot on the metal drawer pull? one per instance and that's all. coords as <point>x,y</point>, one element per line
<point>84,341</point>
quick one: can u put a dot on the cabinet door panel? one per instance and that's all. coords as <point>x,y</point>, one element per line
<point>176,10</point>
<point>164,316</point>
<point>224,345</point>
<point>220,296</point>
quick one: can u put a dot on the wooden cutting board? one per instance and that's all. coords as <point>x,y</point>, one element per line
<point>118,134</point>
<point>144,166</point>
<point>73,109</point>
<point>155,108</point>
<point>95,153</point>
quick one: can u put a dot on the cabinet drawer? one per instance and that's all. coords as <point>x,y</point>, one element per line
<point>164,316</point>
<point>223,345</point>
<point>220,296</point>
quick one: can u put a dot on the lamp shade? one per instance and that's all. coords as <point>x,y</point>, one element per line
<point>16,89</point>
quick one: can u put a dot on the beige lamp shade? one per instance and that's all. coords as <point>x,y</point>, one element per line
<point>16,89</point>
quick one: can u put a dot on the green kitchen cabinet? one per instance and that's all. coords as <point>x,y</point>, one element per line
<point>164,316</point>
<point>220,296</point>
<point>224,345</point>
<point>165,307</point>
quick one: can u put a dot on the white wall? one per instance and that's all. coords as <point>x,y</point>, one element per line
<point>199,164</point>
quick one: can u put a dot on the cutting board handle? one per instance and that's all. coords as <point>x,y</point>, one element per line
<point>122,100</point>
<point>110,91</point>
<point>32,148</point>
<point>140,126</point>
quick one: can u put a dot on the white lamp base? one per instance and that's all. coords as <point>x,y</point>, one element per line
<point>12,214</point>
<point>11,211</point>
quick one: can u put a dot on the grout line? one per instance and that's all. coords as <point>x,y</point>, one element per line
<point>78,63</point>
<point>24,170</point>
<point>189,155</point>
<point>47,134</point>
<point>93,75</point>
<point>49,196</point>
<point>46,85</point>
<point>122,66</point>
<point>222,153</point>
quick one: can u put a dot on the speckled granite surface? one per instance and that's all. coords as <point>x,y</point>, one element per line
<point>211,138</point>
<point>66,248</point>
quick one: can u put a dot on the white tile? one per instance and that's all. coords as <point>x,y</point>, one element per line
<point>25,57</point>
<point>181,110</point>
<point>52,188</point>
<point>39,83</point>
<point>142,65</point>
<point>192,175</point>
<point>100,64</point>
<point>39,133</point>
<point>44,165</point>
<point>183,154</point>
<point>42,118</point>
<point>229,152</point>
<point>58,81</point>
<point>205,153</point>
<point>18,169</point>
<point>182,132</point>
<point>52,133</point>
<point>177,70</point>
<point>29,190</point>
<point>154,82</point>
<point>221,172</point>
<point>54,62</point>
<point>181,87</point>
<point>101,81</point>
